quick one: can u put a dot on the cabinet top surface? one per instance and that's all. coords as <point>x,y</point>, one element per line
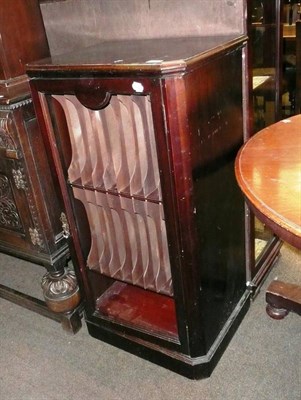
<point>147,55</point>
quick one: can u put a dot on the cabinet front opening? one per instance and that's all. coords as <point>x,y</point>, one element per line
<point>112,170</point>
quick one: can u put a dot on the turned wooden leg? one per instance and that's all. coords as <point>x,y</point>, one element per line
<point>72,321</point>
<point>61,294</point>
<point>282,298</point>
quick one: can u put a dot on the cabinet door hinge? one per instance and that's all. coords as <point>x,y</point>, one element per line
<point>252,287</point>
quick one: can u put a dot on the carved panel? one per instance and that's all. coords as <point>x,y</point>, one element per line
<point>9,216</point>
<point>7,125</point>
<point>6,140</point>
<point>11,155</point>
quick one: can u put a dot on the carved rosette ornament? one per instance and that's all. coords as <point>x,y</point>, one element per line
<point>36,237</point>
<point>61,291</point>
<point>65,225</point>
<point>19,178</point>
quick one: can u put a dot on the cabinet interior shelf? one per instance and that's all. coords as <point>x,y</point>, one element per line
<point>135,307</point>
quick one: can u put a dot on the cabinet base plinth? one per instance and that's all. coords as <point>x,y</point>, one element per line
<point>190,367</point>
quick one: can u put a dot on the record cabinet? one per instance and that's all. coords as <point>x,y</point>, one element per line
<point>143,135</point>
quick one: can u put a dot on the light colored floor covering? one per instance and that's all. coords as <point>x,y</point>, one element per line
<point>39,361</point>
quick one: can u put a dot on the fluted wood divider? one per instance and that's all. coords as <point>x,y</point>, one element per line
<point>114,172</point>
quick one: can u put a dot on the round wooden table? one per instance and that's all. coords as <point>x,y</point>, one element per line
<point>268,171</point>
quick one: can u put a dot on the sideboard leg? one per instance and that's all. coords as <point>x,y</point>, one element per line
<point>72,321</point>
<point>62,295</point>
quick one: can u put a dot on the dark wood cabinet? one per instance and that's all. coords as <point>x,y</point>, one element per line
<point>23,39</point>
<point>31,212</point>
<point>30,225</point>
<point>143,135</point>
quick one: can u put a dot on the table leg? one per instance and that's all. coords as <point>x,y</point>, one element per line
<point>282,298</point>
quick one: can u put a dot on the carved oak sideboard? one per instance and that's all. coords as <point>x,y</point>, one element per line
<point>31,219</point>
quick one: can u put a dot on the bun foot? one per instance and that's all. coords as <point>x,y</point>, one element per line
<point>282,298</point>
<point>276,313</point>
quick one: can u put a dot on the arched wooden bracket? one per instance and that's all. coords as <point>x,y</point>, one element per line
<point>95,99</point>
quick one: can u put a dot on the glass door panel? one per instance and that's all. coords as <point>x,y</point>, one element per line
<point>265,42</point>
<point>265,53</point>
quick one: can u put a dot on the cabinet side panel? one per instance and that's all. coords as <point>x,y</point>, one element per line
<point>215,106</point>
<point>205,121</point>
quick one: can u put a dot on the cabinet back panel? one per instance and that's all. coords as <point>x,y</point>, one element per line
<point>72,24</point>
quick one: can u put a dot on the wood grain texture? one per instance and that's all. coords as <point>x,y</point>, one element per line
<point>268,170</point>
<point>141,56</point>
<point>282,298</point>
<point>72,24</point>
<point>287,290</point>
<point>23,38</point>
